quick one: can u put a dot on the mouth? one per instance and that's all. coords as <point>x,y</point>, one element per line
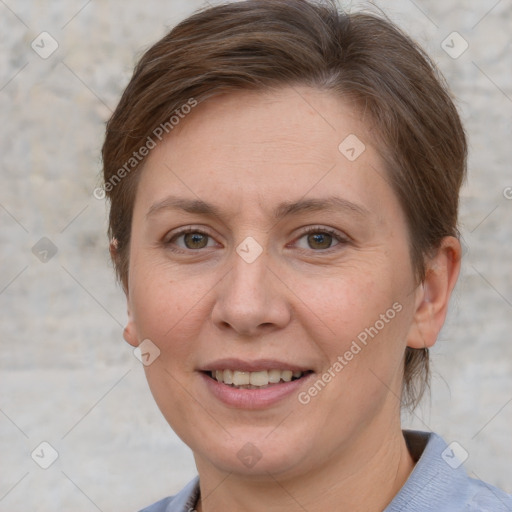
<point>254,384</point>
<point>262,379</point>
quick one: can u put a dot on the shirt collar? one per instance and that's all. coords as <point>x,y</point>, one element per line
<point>437,478</point>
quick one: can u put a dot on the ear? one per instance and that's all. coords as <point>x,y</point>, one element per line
<point>433,294</point>
<point>129,332</point>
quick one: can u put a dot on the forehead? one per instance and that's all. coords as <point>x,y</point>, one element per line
<point>264,147</point>
<point>267,123</point>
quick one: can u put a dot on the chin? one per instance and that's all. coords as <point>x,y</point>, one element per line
<point>254,456</point>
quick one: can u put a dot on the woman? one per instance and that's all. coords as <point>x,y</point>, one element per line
<point>284,185</point>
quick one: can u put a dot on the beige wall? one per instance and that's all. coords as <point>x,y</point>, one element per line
<point>66,375</point>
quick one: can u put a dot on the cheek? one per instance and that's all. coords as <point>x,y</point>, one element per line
<point>170,311</point>
<point>347,301</point>
<point>362,316</point>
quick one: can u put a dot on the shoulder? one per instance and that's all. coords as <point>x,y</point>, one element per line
<point>439,482</point>
<point>184,501</point>
<point>159,506</point>
<point>485,497</point>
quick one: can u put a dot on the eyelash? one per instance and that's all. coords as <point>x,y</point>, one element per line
<point>342,239</point>
<point>168,243</point>
<point>311,229</point>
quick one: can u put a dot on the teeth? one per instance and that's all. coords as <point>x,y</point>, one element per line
<point>259,378</point>
<point>227,377</point>
<point>274,376</point>
<point>240,378</point>
<point>251,380</point>
<point>287,375</point>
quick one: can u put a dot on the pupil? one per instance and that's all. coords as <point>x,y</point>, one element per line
<point>320,240</point>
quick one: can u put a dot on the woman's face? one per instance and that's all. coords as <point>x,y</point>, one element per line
<point>262,249</point>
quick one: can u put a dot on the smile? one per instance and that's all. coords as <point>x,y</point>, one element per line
<point>255,380</point>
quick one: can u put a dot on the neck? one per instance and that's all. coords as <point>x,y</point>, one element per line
<point>364,476</point>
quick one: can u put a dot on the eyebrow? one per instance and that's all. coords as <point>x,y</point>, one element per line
<point>286,208</point>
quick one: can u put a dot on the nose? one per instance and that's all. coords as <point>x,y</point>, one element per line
<point>251,299</point>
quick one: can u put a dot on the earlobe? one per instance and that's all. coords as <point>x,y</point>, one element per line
<point>433,294</point>
<point>113,248</point>
<point>130,332</point>
<point>129,335</point>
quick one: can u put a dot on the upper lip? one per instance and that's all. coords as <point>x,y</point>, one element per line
<point>251,366</point>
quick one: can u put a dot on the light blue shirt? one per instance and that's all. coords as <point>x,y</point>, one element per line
<point>438,483</point>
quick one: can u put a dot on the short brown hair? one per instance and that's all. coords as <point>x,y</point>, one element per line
<point>262,44</point>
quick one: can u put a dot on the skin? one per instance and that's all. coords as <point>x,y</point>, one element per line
<point>300,301</point>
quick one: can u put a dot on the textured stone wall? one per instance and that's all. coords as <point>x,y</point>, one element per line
<point>67,377</point>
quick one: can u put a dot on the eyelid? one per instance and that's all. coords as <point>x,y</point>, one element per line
<point>184,230</point>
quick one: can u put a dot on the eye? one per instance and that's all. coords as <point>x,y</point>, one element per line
<point>189,239</point>
<point>320,239</point>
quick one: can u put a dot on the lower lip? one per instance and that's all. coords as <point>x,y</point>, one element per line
<point>253,398</point>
